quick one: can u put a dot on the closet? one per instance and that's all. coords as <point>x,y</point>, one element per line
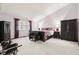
<point>4,31</point>
<point>69,30</point>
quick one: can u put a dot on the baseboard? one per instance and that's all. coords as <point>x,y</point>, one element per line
<point>19,37</point>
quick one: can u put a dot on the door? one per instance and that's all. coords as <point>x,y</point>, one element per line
<point>7,30</point>
<point>69,30</point>
<point>16,28</point>
<point>64,30</point>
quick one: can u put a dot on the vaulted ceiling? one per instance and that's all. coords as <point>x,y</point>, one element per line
<point>33,11</point>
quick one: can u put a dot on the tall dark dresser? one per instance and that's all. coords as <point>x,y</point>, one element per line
<point>4,31</point>
<point>69,30</point>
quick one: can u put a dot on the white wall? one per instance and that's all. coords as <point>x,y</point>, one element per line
<point>32,11</point>
<point>10,11</point>
<point>6,17</point>
<point>53,20</point>
<point>0,6</point>
<point>43,15</point>
<point>65,13</point>
<point>39,20</point>
<point>78,21</point>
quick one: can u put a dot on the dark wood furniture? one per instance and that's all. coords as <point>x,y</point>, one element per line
<point>56,35</point>
<point>37,35</point>
<point>69,30</point>
<point>4,31</point>
<point>30,22</point>
<point>16,28</point>
<point>30,30</point>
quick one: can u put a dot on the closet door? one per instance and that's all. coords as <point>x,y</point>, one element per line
<point>69,30</point>
<point>7,30</point>
<point>1,31</point>
<point>64,30</point>
<point>73,32</point>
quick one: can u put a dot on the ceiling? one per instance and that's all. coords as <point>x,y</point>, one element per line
<point>33,11</point>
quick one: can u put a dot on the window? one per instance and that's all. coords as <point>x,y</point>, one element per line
<point>22,25</point>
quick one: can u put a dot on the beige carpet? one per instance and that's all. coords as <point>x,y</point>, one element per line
<point>50,47</point>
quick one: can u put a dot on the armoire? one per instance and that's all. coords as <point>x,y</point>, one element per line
<point>4,31</point>
<point>69,30</point>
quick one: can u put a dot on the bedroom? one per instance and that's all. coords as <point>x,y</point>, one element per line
<point>45,17</point>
